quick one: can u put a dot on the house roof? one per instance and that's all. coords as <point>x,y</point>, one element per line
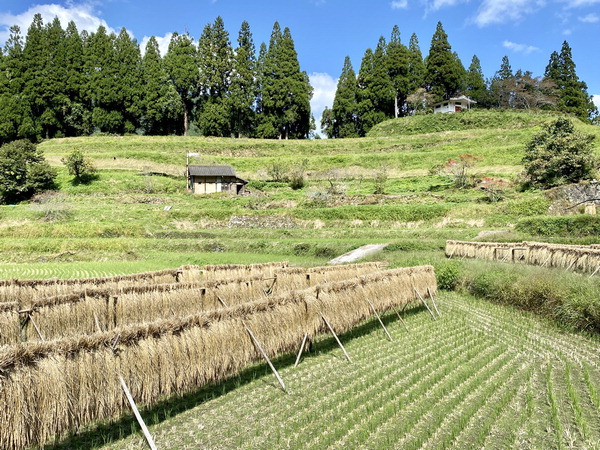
<point>211,171</point>
<point>214,171</point>
<point>457,99</point>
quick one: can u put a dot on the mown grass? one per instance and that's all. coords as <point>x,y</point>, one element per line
<point>492,385</point>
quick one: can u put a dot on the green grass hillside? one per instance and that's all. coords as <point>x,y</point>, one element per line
<point>83,228</point>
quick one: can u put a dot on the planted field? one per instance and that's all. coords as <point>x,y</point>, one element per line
<point>483,376</point>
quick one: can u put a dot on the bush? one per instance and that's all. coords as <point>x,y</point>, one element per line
<point>559,155</point>
<point>23,172</point>
<point>448,275</point>
<point>568,226</point>
<point>79,166</point>
<point>569,299</point>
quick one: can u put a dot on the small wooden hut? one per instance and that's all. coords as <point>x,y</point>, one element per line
<point>213,179</point>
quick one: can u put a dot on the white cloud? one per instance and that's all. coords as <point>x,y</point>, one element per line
<point>596,100</point>
<point>501,11</point>
<point>163,43</point>
<point>83,14</point>
<point>324,86</point>
<point>590,18</point>
<point>399,4</point>
<point>519,48</point>
<point>438,4</point>
<point>579,3</point>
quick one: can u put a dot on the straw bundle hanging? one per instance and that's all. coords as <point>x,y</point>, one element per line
<point>49,388</point>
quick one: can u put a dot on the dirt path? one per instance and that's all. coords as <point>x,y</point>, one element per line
<point>358,253</point>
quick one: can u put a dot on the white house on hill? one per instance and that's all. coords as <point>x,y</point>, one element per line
<point>453,105</point>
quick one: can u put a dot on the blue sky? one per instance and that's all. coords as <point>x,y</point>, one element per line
<point>325,31</point>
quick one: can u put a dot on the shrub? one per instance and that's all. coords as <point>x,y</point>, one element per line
<point>568,226</point>
<point>80,166</point>
<point>381,178</point>
<point>559,155</point>
<point>23,171</point>
<point>448,275</point>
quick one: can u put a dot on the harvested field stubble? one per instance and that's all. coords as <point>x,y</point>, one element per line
<point>580,258</point>
<point>83,312</point>
<point>50,388</point>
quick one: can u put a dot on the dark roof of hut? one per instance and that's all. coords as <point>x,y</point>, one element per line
<point>212,171</point>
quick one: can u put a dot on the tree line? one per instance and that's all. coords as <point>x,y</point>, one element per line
<point>395,80</point>
<point>57,82</point>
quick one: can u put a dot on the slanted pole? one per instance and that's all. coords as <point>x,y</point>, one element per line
<point>136,412</point>
<point>401,319</point>
<point>425,303</point>
<point>36,328</point>
<point>547,259</point>
<point>433,301</point>
<point>336,338</point>
<point>594,272</point>
<point>266,357</point>
<point>221,302</point>
<point>380,321</point>
<point>301,349</point>
<point>98,327</point>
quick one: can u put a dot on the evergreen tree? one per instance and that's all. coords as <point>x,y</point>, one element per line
<point>398,57</point>
<point>182,69</point>
<point>572,93</point>
<point>161,105</point>
<point>475,83</point>
<point>502,85</point>
<point>368,115</point>
<point>416,65</point>
<point>285,90</point>
<point>128,59</point>
<point>215,62</point>
<point>444,73</point>
<point>382,89</point>
<point>16,120</point>
<point>34,64</point>
<point>76,117</point>
<point>103,83</point>
<point>341,122</point>
<point>243,84</point>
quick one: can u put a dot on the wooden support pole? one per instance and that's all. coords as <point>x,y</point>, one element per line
<point>547,259</point>
<point>594,272</point>
<point>136,412</point>
<point>301,349</point>
<point>336,338</point>
<point>221,302</point>
<point>401,319</point>
<point>452,254</point>
<point>115,299</point>
<point>380,321</point>
<point>98,328</point>
<point>24,322</point>
<point>425,303</point>
<point>266,357</point>
<point>433,301</point>
<point>36,328</point>
<point>573,262</point>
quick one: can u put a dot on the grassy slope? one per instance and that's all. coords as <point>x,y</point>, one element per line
<point>493,384</point>
<point>121,215</point>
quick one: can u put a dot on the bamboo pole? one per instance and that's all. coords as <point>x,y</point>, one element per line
<point>401,319</point>
<point>98,328</point>
<point>433,301</point>
<point>262,351</point>
<point>301,349</point>
<point>380,321</point>
<point>336,338</point>
<point>136,412</point>
<point>594,272</point>
<point>36,328</point>
<point>425,303</point>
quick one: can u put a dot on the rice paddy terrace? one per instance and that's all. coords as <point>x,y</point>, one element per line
<point>482,376</point>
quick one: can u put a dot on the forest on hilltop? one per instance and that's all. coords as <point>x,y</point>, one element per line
<point>395,80</point>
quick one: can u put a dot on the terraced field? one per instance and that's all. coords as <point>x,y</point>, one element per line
<point>483,376</point>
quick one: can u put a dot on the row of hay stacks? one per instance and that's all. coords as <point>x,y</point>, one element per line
<point>16,290</point>
<point>580,258</point>
<point>105,308</point>
<point>50,388</point>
